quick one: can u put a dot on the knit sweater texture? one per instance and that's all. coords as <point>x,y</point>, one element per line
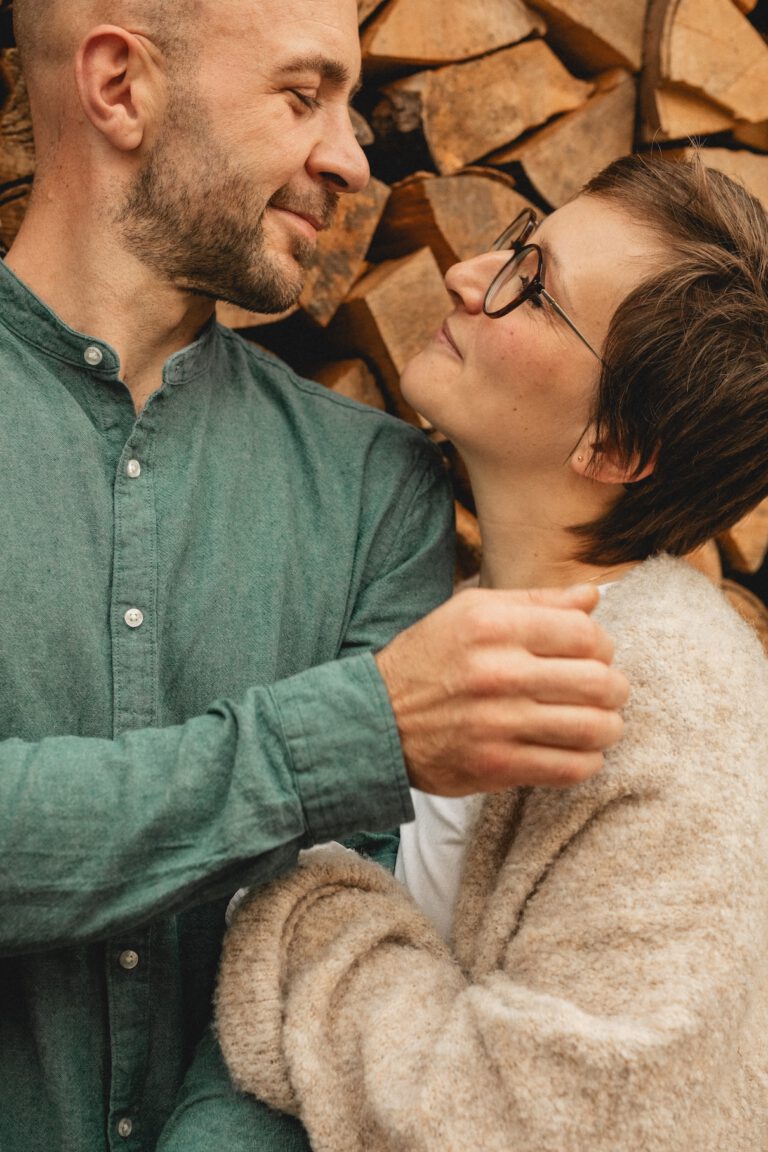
<point>607,985</point>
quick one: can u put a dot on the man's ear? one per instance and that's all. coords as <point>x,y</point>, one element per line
<point>118,80</point>
<point>595,462</point>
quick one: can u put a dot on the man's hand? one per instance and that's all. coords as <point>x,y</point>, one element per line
<point>497,689</point>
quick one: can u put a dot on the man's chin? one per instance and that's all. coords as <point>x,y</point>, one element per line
<point>267,300</point>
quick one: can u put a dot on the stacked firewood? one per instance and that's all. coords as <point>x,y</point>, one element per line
<point>469,111</point>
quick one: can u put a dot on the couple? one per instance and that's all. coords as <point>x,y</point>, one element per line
<point>582,969</point>
<point>175,718</point>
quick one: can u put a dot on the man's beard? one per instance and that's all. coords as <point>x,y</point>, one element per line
<point>204,232</point>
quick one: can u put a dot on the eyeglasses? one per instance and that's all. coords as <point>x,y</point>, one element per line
<point>521,277</point>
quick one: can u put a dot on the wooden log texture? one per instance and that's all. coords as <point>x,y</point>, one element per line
<point>390,315</point>
<point>352,378</point>
<point>708,51</point>
<point>456,216</point>
<point>747,168</point>
<point>749,607</point>
<point>416,33</point>
<point>365,8</point>
<point>558,159</point>
<point>594,35</point>
<point>17,149</point>
<point>746,544</point>
<point>467,110</point>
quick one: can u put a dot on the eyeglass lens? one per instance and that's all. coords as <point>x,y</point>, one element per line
<point>509,286</point>
<point>515,233</point>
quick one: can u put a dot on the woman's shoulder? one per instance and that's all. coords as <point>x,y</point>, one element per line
<point>698,682</point>
<point>668,618</point>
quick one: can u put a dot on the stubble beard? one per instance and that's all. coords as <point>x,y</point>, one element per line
<point>204,231</point>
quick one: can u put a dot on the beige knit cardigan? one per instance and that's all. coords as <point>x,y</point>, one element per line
<point>607,990</point>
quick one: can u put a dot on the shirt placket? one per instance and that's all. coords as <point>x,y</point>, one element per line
<point>134,634</point>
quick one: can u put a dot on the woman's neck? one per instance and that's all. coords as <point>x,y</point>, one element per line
<point>525,532</point>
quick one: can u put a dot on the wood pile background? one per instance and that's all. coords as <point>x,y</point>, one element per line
<point>470,110</point>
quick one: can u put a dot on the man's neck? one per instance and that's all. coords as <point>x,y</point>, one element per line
<point>83,275</point>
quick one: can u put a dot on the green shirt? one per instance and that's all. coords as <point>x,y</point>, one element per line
<point>175,721</point>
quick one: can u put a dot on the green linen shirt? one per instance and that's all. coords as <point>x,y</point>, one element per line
<point>175,720</point>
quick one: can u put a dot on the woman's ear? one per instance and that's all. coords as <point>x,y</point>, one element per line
<point>594,462</point>
<point>118,79</point>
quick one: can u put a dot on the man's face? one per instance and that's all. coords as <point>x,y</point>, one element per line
<point>255,147</point>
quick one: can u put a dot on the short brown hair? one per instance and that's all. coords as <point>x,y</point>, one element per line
<point>685,381</point>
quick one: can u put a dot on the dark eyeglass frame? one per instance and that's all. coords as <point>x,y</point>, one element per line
<point>513,239</point>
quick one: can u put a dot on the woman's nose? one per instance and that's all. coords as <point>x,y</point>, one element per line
<point>468,281</point>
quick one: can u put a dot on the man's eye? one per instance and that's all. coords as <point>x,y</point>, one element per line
<point>310,102</point>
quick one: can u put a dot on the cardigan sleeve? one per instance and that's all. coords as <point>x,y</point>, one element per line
<point>612,1019</point>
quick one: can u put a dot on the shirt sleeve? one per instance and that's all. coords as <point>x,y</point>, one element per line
<point>102,835</point>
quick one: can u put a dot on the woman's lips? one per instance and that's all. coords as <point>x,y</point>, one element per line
<point>445,336</point>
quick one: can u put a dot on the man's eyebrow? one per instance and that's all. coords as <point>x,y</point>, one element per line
<point>324,66</point>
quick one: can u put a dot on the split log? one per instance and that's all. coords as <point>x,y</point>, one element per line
<point>416,33</point>
<point>390,315</point>
<point>362,129</point>
<point>354,379</point>
<point>558,160</point>
<point>707,560</point>
<point>467,110</point>
<point>746,6</point>
<point>747,168</point>
<point>749,607</point>
<point>752,135</point>
<point>706,54</point>
<point>341,251</point>
<point>365,8</point>
<point>456,216</point>
<point>13,205</point>
<point>17,149</point>
<point>746,544</point>
<point>594,35</point>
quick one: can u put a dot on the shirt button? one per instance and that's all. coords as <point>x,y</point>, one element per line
<point>93,356</point>
<point>133,468</point>
<point>134,618</point>
<point>125,1127</point>
<point>129,959</point>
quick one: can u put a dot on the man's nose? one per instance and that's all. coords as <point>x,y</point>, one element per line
<point>338,160</point>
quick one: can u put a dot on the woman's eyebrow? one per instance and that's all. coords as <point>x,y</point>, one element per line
<point>326,67</point>
<point>551,260</point>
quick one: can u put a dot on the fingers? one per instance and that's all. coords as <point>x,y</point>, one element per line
<point>502,768</point>
<point>547,680</point>
<point>511,618</point>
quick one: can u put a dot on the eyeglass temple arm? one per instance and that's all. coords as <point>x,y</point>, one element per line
<point>569,322</point>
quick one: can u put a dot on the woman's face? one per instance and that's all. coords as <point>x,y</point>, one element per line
<point>518,389</point>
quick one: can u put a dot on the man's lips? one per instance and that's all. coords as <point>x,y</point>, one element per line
<point>316,223</point>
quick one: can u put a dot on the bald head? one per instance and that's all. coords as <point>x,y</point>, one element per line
<point>48,32</point>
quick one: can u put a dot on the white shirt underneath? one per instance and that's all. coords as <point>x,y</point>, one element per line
<point>431,853</point>
<point>432,848</point>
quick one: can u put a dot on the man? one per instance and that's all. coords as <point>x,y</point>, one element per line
<point>192,537</point>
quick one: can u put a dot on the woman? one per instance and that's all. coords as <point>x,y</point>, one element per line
<point>605,983</point>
